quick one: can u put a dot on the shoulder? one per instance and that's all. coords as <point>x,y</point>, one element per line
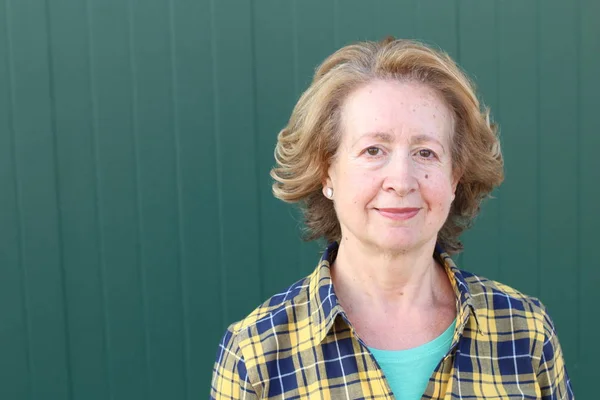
<point>502,308</point>
<point>481,287</point>
<point>276,314</point>
<point>520,332</point>
<point>280,322</point>
<point>273,312</point>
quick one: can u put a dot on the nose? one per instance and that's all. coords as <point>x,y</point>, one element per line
<point>399,175</point>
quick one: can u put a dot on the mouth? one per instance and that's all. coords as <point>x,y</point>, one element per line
<point>398,214</point>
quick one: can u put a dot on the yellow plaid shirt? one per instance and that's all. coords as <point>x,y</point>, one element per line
<point>300,345</point>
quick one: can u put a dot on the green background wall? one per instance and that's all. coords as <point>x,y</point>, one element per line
<point>136,137</point>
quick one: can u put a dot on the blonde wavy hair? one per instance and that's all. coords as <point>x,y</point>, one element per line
<point>306,146</point>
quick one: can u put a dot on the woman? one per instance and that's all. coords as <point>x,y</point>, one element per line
<point>390,156</point>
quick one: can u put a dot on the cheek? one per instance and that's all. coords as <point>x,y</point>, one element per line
<point>361,186</point>
<point>436,190</point>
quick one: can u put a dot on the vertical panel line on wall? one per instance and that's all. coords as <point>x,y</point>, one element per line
<point>578,25</point>
<point>13,153</point>
<point>137,201</point>
<point>97,206</point>
<point>179,205</point>
<point>538,68</point>
<point>256,144</point>
<point>416,25</point>
<point>457,28</point>
<point>336,35</point>
<point>295,45</point>
<point>219,172</point>
<point>59,224</point>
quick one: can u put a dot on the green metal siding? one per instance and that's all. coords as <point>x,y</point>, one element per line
<point>136,138</point>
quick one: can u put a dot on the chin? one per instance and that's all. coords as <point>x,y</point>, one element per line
<point>396,243</point>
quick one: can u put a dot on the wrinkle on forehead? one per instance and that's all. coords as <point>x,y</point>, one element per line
<point>423,97</point>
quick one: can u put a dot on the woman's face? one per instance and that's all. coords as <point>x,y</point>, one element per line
<point>392,173</point>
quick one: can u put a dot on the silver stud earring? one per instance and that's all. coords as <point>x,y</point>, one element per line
<point>329,192</point>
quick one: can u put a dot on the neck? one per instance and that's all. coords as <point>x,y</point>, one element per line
<point>381,280</point>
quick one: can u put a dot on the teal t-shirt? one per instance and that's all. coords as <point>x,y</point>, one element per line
<point>408,371</point>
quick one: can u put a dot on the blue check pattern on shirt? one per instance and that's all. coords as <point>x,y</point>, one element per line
<point>300,345</point>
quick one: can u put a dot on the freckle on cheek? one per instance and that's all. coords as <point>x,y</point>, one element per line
<point>426,176</point>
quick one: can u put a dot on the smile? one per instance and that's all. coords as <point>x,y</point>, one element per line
<point>398,214</point>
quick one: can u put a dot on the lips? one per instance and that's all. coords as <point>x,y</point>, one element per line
<point>398,214</point>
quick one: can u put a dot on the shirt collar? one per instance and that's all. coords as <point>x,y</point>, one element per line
<point>325,308</point>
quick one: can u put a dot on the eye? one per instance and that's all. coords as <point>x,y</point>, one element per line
<point>373,151</point>
<point>426,153</point>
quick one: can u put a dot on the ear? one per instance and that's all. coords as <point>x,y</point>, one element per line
<point>327,183</point>
<point>455,181</point>
<point>329,178</point>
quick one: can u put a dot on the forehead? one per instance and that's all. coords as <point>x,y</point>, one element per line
<point>398,109</point>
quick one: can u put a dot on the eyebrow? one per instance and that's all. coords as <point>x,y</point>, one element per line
<point>384,137</point>
<point>422,138</point>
